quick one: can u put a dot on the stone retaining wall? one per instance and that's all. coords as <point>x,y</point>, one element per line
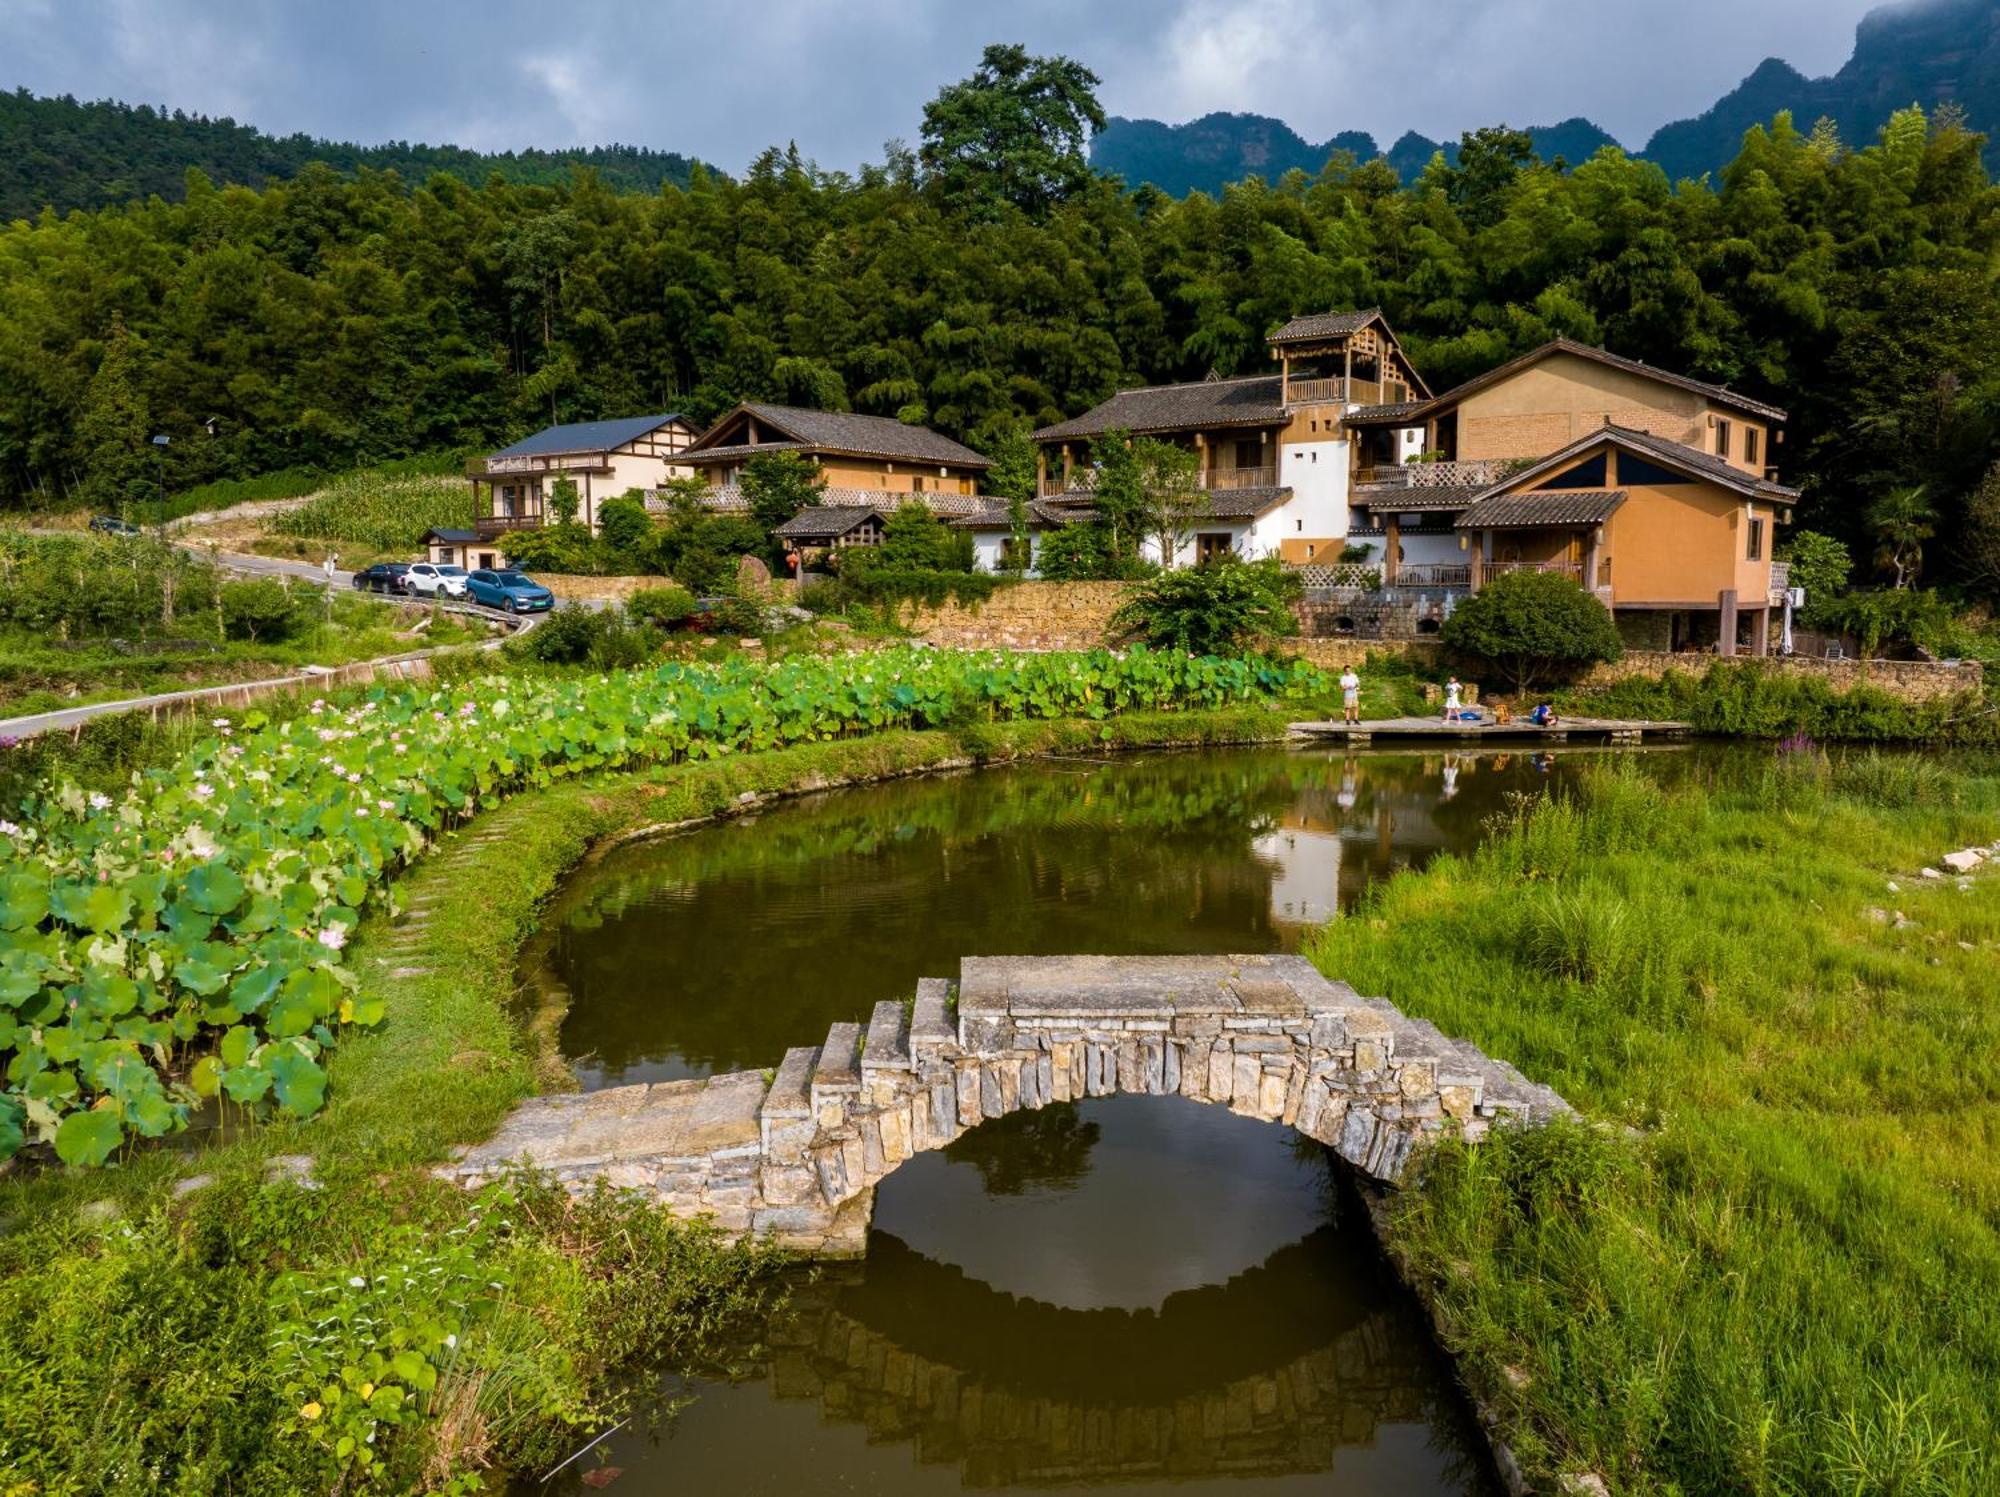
<point>1910,680</point>
<point>1024,616</point>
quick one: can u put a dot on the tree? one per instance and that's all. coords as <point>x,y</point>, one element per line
<point>1172,500</point>
<point>1821,565</point>
<point>1903,519</point>
<point>626,527</point>
<point>1014,134</point>
<point>111,430</point>
<point>1213,610</point>
<point>564,500</point>
<point>1118,492</point>
<point>1531,626</point>
<point>1981,555</point>
<point>1012,477</point>
<point>916,539</point>
<point>778,485</point>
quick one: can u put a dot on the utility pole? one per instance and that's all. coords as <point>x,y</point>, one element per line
<point>160,474</point>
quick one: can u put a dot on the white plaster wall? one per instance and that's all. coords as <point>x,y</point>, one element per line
<point>1434,550</point>
<point>1316,473</point>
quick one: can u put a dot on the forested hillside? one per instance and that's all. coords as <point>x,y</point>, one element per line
<point>991,282</point>
<point>62,154</point>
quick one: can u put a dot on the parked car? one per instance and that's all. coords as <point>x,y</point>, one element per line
<point>516,592</point>
<point>431,579</point>
<point>112,525</point>
<point>383,577</point>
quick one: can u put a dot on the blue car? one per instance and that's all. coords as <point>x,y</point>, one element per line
<point>515,592</point>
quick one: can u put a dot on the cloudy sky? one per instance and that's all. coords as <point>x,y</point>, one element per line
<point>722,80</point>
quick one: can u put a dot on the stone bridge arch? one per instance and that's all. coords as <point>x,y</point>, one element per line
<point>796,1154</point>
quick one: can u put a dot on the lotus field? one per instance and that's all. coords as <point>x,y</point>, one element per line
<point>184,940</point>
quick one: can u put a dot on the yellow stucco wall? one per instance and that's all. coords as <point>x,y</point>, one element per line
<point>1684,544</point>
<point>1553,403</point>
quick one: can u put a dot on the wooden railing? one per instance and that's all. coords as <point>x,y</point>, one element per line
<point>1316,391</point>
<point>1241,478</point>
<point>1426,574</point>
<point>488,526</point>
<point>1570,569</point>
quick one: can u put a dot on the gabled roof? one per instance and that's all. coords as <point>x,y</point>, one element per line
<point>1677,455</point>
<point>1404,499</point>
<point>451,537</point>
<point>1254,400</point>
<point>587,436</point>
<point>843,433</point>
<point>1539,507</point>
<point>1316,326</point>
<point>827,520</point>
<point>1721,394</point>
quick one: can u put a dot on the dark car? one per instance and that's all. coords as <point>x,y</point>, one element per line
<point>383,577</point>
<point>516,592</point>
<point>112,525</point>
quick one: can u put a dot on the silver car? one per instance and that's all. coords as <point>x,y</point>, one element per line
<point>428,579</point>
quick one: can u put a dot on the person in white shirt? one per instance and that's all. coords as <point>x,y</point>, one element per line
<point>1350,696</point>
<point>1452,703</point>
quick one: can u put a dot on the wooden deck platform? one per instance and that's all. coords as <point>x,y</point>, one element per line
<point>1566,730</point>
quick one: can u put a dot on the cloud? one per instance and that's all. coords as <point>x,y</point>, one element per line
<point>842,76</point>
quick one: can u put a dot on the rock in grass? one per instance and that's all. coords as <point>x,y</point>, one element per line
<point>1965,860</point>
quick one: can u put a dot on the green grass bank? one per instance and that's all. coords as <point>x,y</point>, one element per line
<point>1769,1263</point>
<point>195,1321</point>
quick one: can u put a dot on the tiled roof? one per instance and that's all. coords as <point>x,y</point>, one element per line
<point>1312,328</point>
<point>1674,454</point>
<point>1396,413</point>
<point>586,436</point>
<point>728,498</point>
<point>1708,464</point>
<point>1243,504</point>
<point>1257,400</point>
<point>1407,499</point>
<point>1539,507</point>
<point>826,520</point>
<point>845,432</point>
<point>452,537</point>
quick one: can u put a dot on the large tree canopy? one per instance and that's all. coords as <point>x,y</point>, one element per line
<point>1017,132</point>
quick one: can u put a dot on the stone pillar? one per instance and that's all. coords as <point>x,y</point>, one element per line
<point>1725,627</point>
<point>1760,632</point>
<point>1391,543</point>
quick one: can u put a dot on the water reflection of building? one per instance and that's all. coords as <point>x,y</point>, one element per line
<point>1305,874</point>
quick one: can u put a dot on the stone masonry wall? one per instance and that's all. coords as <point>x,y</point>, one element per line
<point>1910,680</point>
<point>796,1157</point>
<point>1024,616</point>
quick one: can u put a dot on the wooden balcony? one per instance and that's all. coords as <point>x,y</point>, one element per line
<point>1316,391</point>
<point>1434,575</point>
<point>491,527</point>
<point>1265,477</point>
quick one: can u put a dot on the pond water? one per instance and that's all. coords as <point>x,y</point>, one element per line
<point>1130,1290</point>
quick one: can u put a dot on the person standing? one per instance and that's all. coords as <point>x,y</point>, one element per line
<point>1350,696</point>
<point>1453,704</point>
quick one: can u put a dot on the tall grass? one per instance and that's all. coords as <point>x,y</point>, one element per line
<point>1742,699</point>
<point>1778,1270</point>
<point>387,513</point>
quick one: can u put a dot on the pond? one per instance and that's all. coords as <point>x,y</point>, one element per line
<point>1128,1290</point>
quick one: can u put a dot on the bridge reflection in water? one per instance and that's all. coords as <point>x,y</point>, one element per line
<point>1189,1355</point>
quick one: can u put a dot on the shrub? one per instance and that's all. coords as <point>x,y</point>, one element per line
<point>565,636</point>
<point>1215,609</point>
<point>264,609</point>
<point>1531,626</point>
<point>662,607</point>
<point>627,529</point>
<point>567,549</point>
<point>1821,565</point>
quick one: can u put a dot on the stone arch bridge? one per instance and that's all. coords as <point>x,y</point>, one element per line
<point>795,1154</point>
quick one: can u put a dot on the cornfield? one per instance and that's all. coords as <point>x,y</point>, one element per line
<point>389,514</point>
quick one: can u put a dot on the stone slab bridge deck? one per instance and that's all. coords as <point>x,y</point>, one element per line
<point>795,1154</point>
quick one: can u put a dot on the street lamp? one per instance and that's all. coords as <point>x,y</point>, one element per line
<point>160,471</point>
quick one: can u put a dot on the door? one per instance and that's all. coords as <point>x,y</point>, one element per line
<point>1210,544</point>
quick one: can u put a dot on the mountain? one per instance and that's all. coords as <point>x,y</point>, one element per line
<point>1924,52</point>
<point>64,154</point>
<point>1920,51</point>
<point>1203,154</point>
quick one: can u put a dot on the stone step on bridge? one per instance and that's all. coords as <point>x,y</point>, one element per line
<point>795,1154</point>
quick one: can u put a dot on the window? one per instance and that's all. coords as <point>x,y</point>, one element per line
<point>1636,472</point>
<point>1722,439</point>
<point>1756,548</point>
<point>1249,454</point>
<point>1210,544</point>
<point>1751,441</point>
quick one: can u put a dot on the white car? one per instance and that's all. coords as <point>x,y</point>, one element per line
<point>428,580</point>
